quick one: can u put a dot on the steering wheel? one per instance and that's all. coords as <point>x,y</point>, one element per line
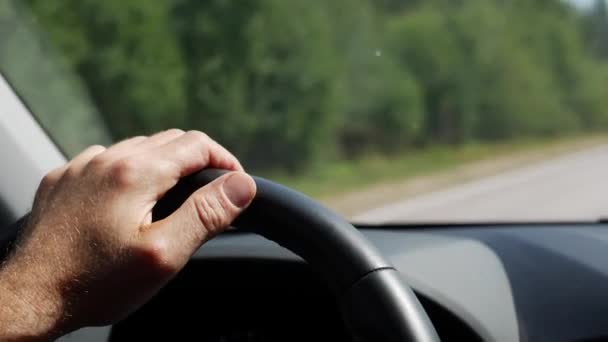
<point>375,302</point>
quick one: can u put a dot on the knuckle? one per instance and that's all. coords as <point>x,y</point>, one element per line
<point>48,182</point>
<point>174,131</point>
<point>98,154</point>
<point>98,162</point>
<point>97,147</point>
<point>50,179</point>
<point>70,173</point>
<point>136,139</point>
<point>154,255</point>
<point>211,212</point>
<point>198,136</point>
<point>124,172</point>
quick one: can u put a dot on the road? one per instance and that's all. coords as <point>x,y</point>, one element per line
<point>570,188</point>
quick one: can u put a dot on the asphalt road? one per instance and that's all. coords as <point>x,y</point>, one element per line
<point>570,188</point>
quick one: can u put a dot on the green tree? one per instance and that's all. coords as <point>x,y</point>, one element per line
<point>256,77</point>
<point>285,83</point>
<point>597,29</point>
<point>381,104</point>
<point>41,77</point>
<point>426,44</point>
<point>126,53</point>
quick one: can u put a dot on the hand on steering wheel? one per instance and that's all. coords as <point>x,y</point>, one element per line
<point>376,304</point>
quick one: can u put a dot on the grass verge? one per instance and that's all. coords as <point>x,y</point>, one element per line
<point>334,179</point>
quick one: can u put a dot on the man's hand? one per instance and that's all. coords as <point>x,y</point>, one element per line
<point>90,254</point>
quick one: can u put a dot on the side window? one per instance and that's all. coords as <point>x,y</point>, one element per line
<point>37,73</point>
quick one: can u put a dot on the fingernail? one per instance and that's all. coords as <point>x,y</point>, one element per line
<point>239,188</point>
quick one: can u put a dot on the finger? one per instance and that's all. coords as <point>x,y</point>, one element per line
<point>191,152</point>
<point>195,150</point>
<point>78,163</point>
<point>161,138</point>
<point>141,143</point>
<point>125,147</point>
<point>48,183</point>
<point>72,168</point>
<point>207,212</point>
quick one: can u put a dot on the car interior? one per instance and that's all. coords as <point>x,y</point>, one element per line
<point>291,268</point>
<point>474,282</point>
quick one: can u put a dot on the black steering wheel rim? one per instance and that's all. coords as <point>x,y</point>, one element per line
<point>376,303</point>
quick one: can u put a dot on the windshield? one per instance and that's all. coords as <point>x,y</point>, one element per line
<point>384,110</point>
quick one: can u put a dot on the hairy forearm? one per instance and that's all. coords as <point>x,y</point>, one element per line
<point>28,312</point>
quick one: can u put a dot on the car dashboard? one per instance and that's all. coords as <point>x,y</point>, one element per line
<point>538,282</point>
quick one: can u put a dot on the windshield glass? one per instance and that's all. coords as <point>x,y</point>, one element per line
<point>384,110</point>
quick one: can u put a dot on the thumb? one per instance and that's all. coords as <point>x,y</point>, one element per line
<point>207,212</point>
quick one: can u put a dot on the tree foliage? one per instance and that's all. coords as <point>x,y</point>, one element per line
<point>286,83</point>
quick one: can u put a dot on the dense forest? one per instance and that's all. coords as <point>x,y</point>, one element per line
<point>286,84</point>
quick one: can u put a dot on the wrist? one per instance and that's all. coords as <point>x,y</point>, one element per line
<point>29,310</point>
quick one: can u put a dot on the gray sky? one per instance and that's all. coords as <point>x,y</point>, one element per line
<point>582,3</point>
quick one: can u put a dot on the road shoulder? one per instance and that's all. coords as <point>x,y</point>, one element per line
<point>354,202</point>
